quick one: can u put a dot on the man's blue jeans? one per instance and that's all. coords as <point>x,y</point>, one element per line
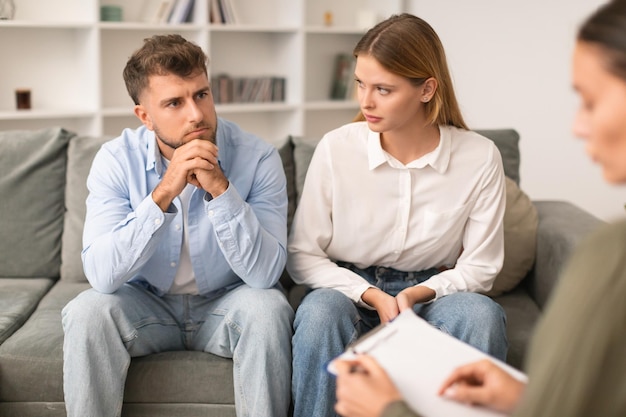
<point>327,321</point>
<point>103,331</point>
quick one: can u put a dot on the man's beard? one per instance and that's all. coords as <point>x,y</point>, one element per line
<point>171,143</point>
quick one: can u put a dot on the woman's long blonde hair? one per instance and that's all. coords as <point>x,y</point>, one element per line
<point>407,46</point>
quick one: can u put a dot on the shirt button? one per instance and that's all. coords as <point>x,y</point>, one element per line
<point>173,264</point>
<point>177,227</point>
<point>211,213</point>
<point>157,221</point>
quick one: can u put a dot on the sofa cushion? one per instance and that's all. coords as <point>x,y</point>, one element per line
<point>32,358</point>
<point>520,239</point>
<point>80,154</point>
<point>32,184</point>
<point>31,363</point>
<point>507,141</point>
<point>522,314</point>
<point>18,299</point>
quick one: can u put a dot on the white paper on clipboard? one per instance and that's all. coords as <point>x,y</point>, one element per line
<point>418,358</point>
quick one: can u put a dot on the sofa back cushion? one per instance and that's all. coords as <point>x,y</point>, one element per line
<point>32,186</point>
<point>507,141</point>
<point>81,151</point>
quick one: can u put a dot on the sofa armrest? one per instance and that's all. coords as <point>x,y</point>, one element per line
<point>562,226</point>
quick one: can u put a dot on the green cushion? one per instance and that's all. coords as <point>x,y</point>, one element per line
<point>80,154</point>
<point>520,239</point>
<point>32,185</point>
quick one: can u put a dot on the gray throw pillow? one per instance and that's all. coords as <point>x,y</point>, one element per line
<point>507,141</point>
<point>81,151</point>
<point>302,154</point>
<point>32,185</point>
<point>286,155</point>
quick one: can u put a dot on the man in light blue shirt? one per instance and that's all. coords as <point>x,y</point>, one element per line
<point>184,243</point>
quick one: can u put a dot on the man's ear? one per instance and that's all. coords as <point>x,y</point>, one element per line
<point>428,89</point>
<point>143,116</point>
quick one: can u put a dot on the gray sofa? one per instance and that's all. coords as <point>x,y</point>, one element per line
<point>42,183</point>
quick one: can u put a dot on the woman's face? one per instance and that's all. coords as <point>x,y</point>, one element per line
<point>388,101</point>
<point>601,117</point>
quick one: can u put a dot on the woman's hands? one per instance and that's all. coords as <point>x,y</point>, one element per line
<point>385,304</point>
<point>408,297</point>
<point>364,392</point>
<point>389,307</point>
<point>484,383</point>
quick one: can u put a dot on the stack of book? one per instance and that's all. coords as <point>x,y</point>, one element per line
<point>227,89</point>
<point>167,11</point>
<point>223,12</point>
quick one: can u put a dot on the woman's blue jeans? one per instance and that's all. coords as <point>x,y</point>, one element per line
<point>327,321</point>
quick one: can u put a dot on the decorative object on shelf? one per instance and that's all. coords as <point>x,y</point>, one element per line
<point>110,13</point>
<point>7,9</point>
<point>22,98</point>
<point>328,18</point>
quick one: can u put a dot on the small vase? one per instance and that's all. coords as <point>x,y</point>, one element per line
<point>7,9</point>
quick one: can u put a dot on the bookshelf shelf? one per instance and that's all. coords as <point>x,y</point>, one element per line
<point>75,61</point>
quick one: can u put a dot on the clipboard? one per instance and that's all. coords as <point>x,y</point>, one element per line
<point>418,358</point>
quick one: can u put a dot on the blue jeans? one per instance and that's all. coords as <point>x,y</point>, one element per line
<point>327,321</point>
<point>103,331</point>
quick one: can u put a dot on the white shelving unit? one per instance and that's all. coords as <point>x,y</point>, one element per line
<point>72,62</point>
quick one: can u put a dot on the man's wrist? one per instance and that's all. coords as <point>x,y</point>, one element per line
<point>219,189</point>
<point>161,199</point>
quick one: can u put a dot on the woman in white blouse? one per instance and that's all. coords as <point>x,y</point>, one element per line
<point>402,209</point>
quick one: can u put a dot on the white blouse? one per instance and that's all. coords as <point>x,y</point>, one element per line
<point>361,205</point>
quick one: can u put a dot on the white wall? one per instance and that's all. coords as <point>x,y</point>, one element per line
<point>510,62</point>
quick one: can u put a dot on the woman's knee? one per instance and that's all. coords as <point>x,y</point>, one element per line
<point>324,306</point>
<point>323,314</point>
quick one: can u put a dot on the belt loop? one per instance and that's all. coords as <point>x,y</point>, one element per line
<point>380,272</point>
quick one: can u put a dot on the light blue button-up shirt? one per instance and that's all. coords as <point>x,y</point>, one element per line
<point>237,237</point>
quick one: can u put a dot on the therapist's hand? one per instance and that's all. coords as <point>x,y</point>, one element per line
<point>483,383</point>
<point>364,392</point>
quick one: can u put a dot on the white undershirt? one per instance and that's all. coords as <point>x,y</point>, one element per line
<point>185,280</point>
